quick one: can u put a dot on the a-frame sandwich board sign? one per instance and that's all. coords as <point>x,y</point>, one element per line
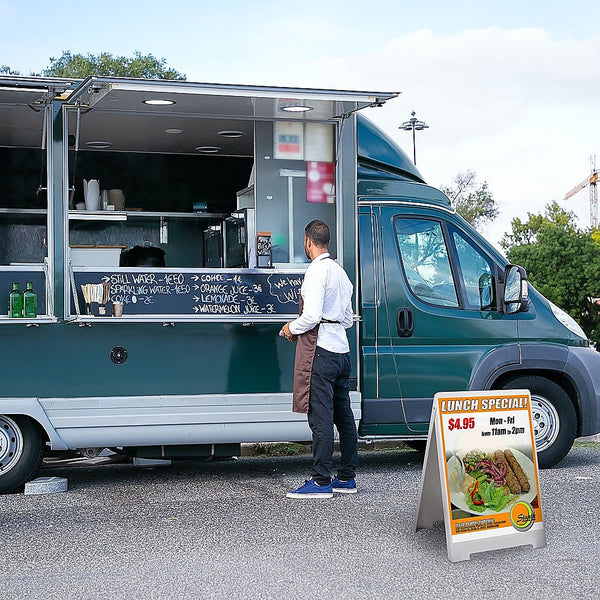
<point>480,473</point>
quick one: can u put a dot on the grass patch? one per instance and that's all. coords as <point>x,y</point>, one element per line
<point>281,449</point>
<point>587,444</point>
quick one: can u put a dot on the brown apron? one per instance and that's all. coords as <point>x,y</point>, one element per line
<point>305,353</point>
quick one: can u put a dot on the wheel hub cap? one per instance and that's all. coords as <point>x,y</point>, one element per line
<point>546,423</point>
<point>11,444</point>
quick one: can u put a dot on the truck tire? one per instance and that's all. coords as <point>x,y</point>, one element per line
<point>21,451</point>
<point>553,415</point>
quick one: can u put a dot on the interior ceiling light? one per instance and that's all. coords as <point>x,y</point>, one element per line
<point>159,102</point>
<point>231,133</point>
<point>208,149</point>
<point>98,144</point>
<point>174,131</point>
<point>296,108</point>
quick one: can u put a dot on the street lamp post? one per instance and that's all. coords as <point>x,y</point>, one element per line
<point>413,124</point>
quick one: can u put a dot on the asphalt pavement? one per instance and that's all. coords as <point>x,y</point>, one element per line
<point>226,530</point>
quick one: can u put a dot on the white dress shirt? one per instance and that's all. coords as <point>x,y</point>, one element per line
<point>327,294</point>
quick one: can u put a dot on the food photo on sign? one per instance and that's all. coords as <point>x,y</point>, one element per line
<point>492,481</point>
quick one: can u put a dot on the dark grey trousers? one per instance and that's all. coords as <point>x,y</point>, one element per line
<point>330,405</point>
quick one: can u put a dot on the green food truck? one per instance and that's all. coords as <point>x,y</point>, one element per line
<point>151,249</point>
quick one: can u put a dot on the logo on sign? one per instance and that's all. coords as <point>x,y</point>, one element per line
<point>522,516</point>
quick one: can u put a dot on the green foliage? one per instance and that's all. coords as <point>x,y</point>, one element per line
<point>562,262</point>
<point>4,70</point>
<point>139,66</point>
<point>473,202</point>
<point>527,232</point>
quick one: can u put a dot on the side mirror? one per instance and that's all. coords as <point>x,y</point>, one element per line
<point>516,291</point>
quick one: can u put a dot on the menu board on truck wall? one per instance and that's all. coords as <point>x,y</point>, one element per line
<point>480,473</point>
<point>243,293</point>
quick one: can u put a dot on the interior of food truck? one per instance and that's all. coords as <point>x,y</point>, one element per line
<point>173,175</point>
<point>24,237</point>
<point>191,167</point>
<point>23,160</point>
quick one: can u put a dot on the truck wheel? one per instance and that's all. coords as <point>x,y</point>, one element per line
<point>21,451</point>
<point>553,415</point>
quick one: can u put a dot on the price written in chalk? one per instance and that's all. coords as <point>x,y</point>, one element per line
<point>464,423</point>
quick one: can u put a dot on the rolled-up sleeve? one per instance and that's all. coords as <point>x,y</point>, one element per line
<point>348,319</point>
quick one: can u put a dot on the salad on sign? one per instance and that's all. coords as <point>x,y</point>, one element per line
<point>490,481</point>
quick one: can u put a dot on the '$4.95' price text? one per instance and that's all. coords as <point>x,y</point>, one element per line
<point>464,423</point>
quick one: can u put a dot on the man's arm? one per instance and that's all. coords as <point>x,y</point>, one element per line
<point>312,311</point>
<point>348,319</point>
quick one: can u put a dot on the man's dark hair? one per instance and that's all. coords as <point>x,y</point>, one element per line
<point>318,233</point>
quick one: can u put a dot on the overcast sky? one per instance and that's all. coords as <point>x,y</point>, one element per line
<point>509,89</point>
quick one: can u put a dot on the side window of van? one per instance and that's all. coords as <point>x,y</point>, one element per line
<point>476,274</point>
<point>425,260</point>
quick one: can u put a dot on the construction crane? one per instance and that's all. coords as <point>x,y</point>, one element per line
<point>590,181</point>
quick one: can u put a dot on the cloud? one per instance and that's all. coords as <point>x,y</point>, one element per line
<point>516,105</point>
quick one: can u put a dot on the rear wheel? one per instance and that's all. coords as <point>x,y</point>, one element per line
<point>553,416</point>
<point>21,451</point>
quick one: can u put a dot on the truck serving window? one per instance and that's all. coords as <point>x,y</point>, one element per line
<point>425,260</point>
<point>26,231</point>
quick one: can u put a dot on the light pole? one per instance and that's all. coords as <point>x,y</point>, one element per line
<point>413,124</point>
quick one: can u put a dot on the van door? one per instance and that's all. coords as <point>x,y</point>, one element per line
<point>441,306</point>
<point>380,387</point>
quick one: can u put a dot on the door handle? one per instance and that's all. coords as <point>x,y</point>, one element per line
<point>404,322</point>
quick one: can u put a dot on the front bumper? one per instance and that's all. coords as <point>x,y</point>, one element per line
<point>583,367</point>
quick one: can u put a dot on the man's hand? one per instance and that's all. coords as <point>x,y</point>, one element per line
<point>287,334</point>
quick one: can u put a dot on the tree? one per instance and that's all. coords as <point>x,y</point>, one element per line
<point>475,203</point>
<point>528,232</point>
<point>4,70</point>
<point>140,66</point>
<point>561,261</point>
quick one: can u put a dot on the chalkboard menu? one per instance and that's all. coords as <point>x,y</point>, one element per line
<point>204,293</point>
<point>38,281</point>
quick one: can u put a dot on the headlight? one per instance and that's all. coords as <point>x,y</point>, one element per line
<point>567,320</point>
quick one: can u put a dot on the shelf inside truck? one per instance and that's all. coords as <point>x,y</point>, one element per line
<point>123,215</point>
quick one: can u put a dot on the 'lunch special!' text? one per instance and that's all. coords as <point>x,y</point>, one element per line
<point>477,404</point>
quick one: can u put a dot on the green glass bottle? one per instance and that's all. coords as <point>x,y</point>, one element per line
<point>15,302</point>
<point>29,302</point>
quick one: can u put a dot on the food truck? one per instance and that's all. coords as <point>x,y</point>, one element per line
<point>159,225</point>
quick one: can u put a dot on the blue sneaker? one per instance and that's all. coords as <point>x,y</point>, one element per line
<point>311,489</point>
<point>344,487</point>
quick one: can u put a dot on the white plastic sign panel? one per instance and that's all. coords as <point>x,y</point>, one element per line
<point>289,140</point>
<point>480,473</point>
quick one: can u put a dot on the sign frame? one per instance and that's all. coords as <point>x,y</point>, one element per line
<point>477,414</point>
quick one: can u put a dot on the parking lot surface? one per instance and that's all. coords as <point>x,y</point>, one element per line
<point>226,530</point>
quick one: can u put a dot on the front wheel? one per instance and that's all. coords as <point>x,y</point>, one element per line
<point>21,451</point>
<point>553,416</point>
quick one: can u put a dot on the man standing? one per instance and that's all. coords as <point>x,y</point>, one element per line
<point>322,366</point>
